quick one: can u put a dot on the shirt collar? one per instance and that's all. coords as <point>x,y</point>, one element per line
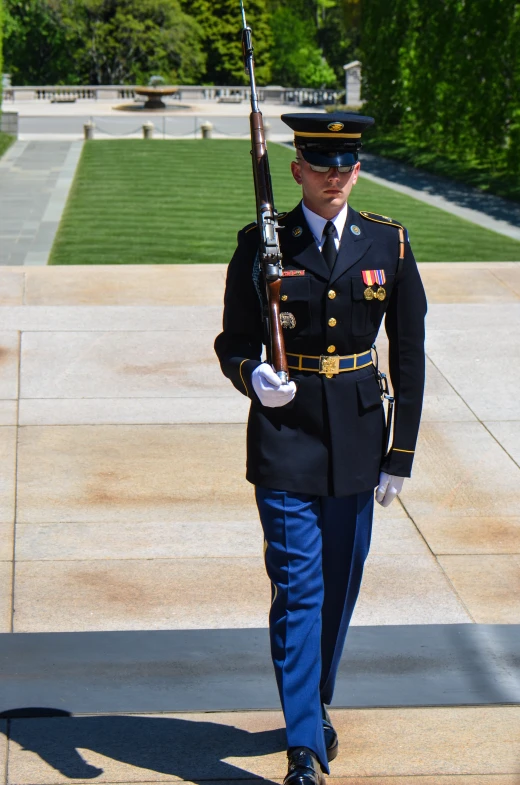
<point>317,223</point>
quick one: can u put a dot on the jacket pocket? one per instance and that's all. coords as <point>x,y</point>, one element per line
<point>368,314</point>
<point>369,394</point>
<point>295,296</point>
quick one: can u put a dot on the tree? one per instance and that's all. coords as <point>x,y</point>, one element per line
<point>339,34</point>
<point>101,42</point>
<point>126,41</point>
<point>220,23</point>
<point>297,58</point>
<point>37,49</point>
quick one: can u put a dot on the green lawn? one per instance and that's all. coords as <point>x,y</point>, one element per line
<point>6,141</point>
<point>155,201</point>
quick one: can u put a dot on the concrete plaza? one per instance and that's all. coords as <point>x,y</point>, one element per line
<point>123,506</point>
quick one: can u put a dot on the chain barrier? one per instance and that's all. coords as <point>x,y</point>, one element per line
<point>120,133</point>
<point>162,131</point>
<point>228,133</point>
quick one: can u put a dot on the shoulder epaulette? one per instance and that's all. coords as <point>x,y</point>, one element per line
<point>381,219</point>
<point>384,219</point>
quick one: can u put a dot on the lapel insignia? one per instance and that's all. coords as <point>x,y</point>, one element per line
<point>296,232</point>
<point>355,230</point>
<point>371,277</point>
<point>290,273</point>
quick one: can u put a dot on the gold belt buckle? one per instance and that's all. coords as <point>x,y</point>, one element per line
<point>329,365</point>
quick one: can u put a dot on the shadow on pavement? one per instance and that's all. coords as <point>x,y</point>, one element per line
<point>462,195</point>
<point>190,750</point>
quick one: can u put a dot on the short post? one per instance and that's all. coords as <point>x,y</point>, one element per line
<point>267,129</point>
<point>206,128</point>
<point>148,130</point>
<point>88,130</point>
<point>9,123</point>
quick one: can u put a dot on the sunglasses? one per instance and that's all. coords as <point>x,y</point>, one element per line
<point>323,169</point>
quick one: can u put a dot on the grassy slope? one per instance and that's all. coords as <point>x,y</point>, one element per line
<point>6,141</point>
<point>157,201</point>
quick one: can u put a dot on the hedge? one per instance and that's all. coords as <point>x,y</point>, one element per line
<point>442,79</point>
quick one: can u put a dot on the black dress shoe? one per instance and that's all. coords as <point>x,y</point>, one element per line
<point>331,737</point>
<point>304,768</point>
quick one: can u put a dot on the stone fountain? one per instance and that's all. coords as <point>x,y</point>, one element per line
<point>154,92</point>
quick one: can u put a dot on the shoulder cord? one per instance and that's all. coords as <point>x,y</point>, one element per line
<point>401,253</point>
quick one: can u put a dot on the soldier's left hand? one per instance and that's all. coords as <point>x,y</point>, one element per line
<point>389,486</point>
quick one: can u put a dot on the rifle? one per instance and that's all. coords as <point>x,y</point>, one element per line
<point>269,251</point>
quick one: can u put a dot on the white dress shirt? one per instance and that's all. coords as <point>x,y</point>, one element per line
<point>317,225</point>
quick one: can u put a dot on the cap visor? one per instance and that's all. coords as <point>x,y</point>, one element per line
<point>329,158</point>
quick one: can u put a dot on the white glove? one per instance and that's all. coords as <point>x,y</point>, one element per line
<point>269,388</point>
<point>388,488</point>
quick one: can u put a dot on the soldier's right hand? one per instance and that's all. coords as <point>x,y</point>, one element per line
<point>269,388</point>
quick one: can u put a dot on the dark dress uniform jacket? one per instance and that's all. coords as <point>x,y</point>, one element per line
<point>328,441</point>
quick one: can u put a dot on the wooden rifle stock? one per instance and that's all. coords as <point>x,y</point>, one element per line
<point>278,358</point>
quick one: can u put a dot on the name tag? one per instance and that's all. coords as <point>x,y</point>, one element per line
<point>292,273</point>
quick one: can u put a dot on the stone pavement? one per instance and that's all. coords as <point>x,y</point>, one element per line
<point>35,178</point>
<point>123,507</point>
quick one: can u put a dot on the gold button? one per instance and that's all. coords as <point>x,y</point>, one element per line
<point>331,295</point>
<point>284,297</point>
<point>331,348</point>
<point>332,322</point>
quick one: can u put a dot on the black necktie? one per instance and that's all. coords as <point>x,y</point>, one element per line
<point>328,248</point>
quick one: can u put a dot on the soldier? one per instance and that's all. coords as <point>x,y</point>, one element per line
<point>316,445</point>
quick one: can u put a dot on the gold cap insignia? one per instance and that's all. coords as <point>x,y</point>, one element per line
<point>335,126</point>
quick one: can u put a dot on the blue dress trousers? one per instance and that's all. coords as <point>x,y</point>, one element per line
<point>315,549</point>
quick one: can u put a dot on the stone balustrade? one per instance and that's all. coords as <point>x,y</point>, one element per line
<point>271,93</point>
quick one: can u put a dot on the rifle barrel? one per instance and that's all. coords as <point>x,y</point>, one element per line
<point>270,253</point>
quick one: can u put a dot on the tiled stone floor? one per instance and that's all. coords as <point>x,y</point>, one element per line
<point>458,746</point>
<point>123,499</point>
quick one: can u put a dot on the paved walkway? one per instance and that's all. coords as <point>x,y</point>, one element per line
<point>492,212</point>
<point>123,506</point>
<point>35,178</point>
